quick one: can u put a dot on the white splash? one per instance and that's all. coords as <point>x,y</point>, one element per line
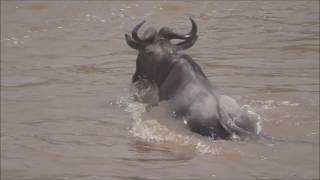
<point>15,41</point>
<point>150,130</point>
<point>272,104</point>
<point>288,103</point>
<point>254,116</point>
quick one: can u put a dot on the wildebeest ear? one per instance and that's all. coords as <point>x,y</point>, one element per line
<point>132,43</point>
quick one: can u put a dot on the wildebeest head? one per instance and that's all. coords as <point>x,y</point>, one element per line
<point>156,51</point>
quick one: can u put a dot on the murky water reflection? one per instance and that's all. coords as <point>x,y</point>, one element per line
<point>65,106</point>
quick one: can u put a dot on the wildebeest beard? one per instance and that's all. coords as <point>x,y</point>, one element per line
<point>178,79</point>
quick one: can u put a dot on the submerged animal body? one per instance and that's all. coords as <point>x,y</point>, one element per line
<point>180,81</point>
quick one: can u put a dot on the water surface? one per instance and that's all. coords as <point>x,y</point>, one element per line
<point>66,110</point>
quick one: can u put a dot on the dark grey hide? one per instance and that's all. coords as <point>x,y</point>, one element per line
<point>178,79</point>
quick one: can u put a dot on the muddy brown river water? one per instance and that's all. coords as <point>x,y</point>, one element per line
<point>67,113</point>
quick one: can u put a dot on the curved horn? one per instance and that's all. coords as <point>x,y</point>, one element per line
<point>135,32</point>
<point>191,37</point>
<point>169,34</point>
<point>186,44</point>
<point>133,44</point>
<point>194,28</point>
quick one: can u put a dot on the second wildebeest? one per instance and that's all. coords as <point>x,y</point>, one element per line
<point>178,79</point>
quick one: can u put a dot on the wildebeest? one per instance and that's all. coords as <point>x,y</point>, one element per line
<point>179,80</point>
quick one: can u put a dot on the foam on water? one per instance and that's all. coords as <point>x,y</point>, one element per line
<point>152,130</point>
<point>272,104</point>
<point>254,116</point>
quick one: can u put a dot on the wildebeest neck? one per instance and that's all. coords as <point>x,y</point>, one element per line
<point>183,71</point>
